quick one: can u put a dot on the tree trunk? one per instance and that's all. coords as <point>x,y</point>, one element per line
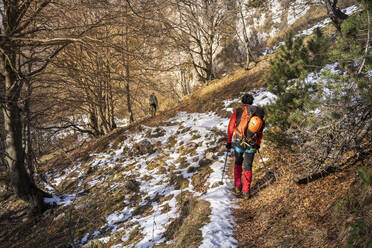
<point>20,180</point>
<point>93,122</point>
<point>336,15</point>
<point>2,126</point>
<point>127,87</point>
<point>247,59</point>
<point>245,37</point>
<point>131,118</point>
<point>27,134</point>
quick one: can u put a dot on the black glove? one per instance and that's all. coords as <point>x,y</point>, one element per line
<point>228,146</point>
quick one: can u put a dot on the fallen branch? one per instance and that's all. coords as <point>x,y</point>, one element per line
<point>308,178</point>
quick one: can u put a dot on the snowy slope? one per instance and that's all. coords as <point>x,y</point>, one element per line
<point>194,135</point>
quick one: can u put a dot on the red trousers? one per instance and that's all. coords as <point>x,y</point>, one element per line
<point>247,175</point>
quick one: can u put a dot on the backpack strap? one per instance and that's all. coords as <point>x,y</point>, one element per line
<point>241,124</point>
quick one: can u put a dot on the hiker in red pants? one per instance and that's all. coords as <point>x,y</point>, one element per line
<point>247,124</point>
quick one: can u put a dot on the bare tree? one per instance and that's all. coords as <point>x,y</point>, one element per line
<point>334,12</point>
<point>197,31</point>
<point>243,35</point>
<point>31,36</point>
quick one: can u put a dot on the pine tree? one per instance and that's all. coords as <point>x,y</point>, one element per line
<point>293,62</point>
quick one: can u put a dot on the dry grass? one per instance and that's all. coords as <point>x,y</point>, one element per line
<point>288,215</point>
<point>185,230</point>
<point>312,17</point>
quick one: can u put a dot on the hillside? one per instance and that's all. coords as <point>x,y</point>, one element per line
<point>162,182</point>
<point>159,182</point>
<point>143,184</point>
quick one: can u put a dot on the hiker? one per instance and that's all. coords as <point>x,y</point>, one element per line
<point>153,103</point>
<point>247,140</point>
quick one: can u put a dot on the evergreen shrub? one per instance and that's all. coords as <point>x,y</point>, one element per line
<point>292,63</point>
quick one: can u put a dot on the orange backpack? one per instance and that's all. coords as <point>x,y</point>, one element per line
<point>248,127</point>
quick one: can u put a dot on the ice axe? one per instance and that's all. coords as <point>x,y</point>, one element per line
<point>224,166</point>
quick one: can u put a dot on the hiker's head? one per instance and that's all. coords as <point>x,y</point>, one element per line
<point>247,99</point>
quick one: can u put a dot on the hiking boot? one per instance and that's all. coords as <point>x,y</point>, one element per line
<point>238,190</point>
<point>245,196</point>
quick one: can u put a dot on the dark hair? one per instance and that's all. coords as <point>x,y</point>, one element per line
<point>247,99</point>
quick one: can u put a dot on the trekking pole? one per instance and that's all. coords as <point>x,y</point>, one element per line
<point>261,157</point>
<point>224,166</point>
<point>266,169</point>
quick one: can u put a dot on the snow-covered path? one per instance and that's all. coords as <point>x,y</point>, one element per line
<point>194,135</point>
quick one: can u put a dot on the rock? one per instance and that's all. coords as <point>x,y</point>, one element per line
<point>59,217</point>
<point>204,162</point>
<point>143,147</point>
<point>209,155</point>
<point>63,246</point>
<point>132,185</point>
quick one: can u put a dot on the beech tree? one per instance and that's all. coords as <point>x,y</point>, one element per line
<point>31,37</point>
<point>117,66</point>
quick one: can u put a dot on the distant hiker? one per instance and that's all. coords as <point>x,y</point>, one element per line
<point>153,103</point>
<point>247,122</point>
